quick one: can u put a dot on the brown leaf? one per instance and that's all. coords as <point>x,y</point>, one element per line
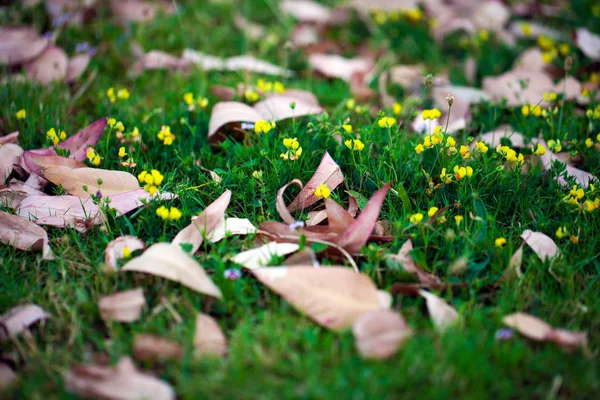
<point>155,348</point>
<point>379,334</point>
<point>303,257</point>
<point>357,234</point>
<point>125,306</point>
<point>74,180</point>
<point>157,60</point>
<point>88,137</point>
<point>538,330</point>
<point>338,219</point>
<point>335,66</point>
<point>530,60</point>
<point>10,138</point>
<point>123,382</point>
<point>20,318</point>
<point>209,339</point>
<point>205,222</point>
<point>442,314</point>
<point>50,66</point>
<point>19,44</point>
<point>282,209</point>
<point>37,163</point>
<point>514,266</point>
<point>128,201</point>
<point>237,63</point>
<point>25,235</point>
<point>334,297</point>
<point>7,376</point>
<point>404,258</point>
<point>169,261</point>
<point>76,67</point>
<point>541,244</point>
<point>10,154</point>
<point>328,173</point>
<point>61,211</point>
<point>114,250</point>
<point>261,256</point>
<point>230,226</point>
<point>582,178</point>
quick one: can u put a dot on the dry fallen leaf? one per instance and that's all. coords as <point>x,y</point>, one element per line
<point>50,66</point>
<point>37,162</point>
<point>115,249</point>
<point>442,314</point>
<point>334,297</point>
<point>169,261</point>
<point>10,138</point>
<point>237,63</point>
<point>19,44</point>
<point>588,43</point>
<point>123,382</point>
<point>538,330</point>
<point>88,137</point>
<point>335,66</point>
<point>582,178</point>
<point>61,211</point>
<point>10,154</point>
<point>125,306</point>
<point>209,339</point>
<point>306,11</point>
<point>75,180</point>
<point>157,60</point>
<point>493,138</point>
<point>404,258</point>
<point>139,10</point>
<point>155,348</point>
<point>230,226</point>
<point>328,173</point>
<point>20,318</point>
<point>76,67</point>
<point>541,244</point>
<point>7,375</point>
<point>379,334</point>
<point>205,222</point>
<point>23,234</point>
<point>261,256</point>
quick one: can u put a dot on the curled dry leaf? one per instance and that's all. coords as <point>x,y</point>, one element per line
<point>169,261</point>
<point>306,11</point>
<point>514,266</point>
<point>583,178</point>
<point>115,249</point>
<point>334,297</point>
<point>10,138</point>
<point>7,375</point>
<point>50,66</point>
<point>75,180</point>
<point>128,201</point>
<point>442,314</point>
<point>230,226</point>
<point>205,222</point>
<point>37,163</point>
<point>379,334</point>
<point>60,211</point>
<point>404,258</point>
<point>282,209</point>
<point>538,330</point>
<point>335,66</point>
<point>261,256</point>
<point>328,173</point>
<point>237,63</point>
<point>209,339</point>
<point>123,306</point>
<point>23,234</point>
<point>10,154</point>
<point>156,60</point>
<point>155,348</point>
<point>76,67</point>
<point>123,382</point>
<point>20,318</point>
<point>541,244</point>
<point>306,256</point>
<point>19,44</point>
<point>588,43</point>
<point>88,137</point>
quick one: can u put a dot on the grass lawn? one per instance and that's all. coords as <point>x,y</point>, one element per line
<point>274,350</point>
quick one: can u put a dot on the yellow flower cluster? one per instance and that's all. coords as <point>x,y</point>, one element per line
<point>554,145</point>
<point>500,242</point>
<point>354,144</point>
<point>93,156</point>
<point>539,150</point>
<point>411,14</point>
<point>21,114</point>
<point>386,122</point>
<point>397,109</point>
<point>165,135</point>
<point>561,232</point>
<point>191,102</point>
<point>251,96</point>
<point>462,172</point>
<point>118,125</point>
<point>262,126</point>
<point>593,113</point>
<point>150,180</point>
<point>550,97</point>
<point>510,155</point>
<point>551,50</point>
<point>322,191</point>
<point>531,109</point>
<point>347,128</point>
<point>266,86</point>
<point>431,114</point>
<point>171,214</point>
<point>122,152</point>
<point>121,94</point>
<point>294,151</point>
<point>577,193</point>
<point>54,137</point>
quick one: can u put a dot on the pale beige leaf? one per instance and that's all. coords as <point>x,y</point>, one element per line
<point>442,314</point>
<point>282,209</point>
<point>123,382</point>
<point>37,163</point>
<point>379,334</point>
<point>230,226</point>
<point>203,223</point>
<point>61,211</point>
<point>583,178</point>
<point>493,138</point>
<point>125,306</point>
<point>306,11</point>
<point>20,318</point>
<point>588,43</point>
<point>209,339</point>
<point>408,264</point>
<point>76,67</point>
<point>10,154</point>
<point>278,107</point>
<point>228,112</point>
<point>23,234</point>
<point>140,10</point>
<point>385,5</point>
<point>261,256</point>
<point>10,138</point>
<point>50,66</point>
<point>541,244</point>
<point>334,297</point>
<point>7,375</point>
<point>528,325</point>
<point>328,173</point>
<point>19,44</point>
<point>335,66</point>
<point>74,180</point>
<point>237,63</point>
<point>530,60</point>
<point>157,60</point>
<point>534,29</point>
<point>169,261</point>
<point>155,348</point>
<point>114,249</point>
<point>252,30</point>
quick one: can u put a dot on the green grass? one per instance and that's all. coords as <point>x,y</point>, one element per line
<point>274,351</point>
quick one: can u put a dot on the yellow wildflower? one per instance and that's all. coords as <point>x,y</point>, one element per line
<point>432,114</point>
<point>499,242</point>
<point>354,144</point>
<point>445,177</point>
<point>111,122</point>
<point>482,148</point>
<point>278,87</point>
<point>462,172</point>
<point>347,128</point>
<point>561,232</point>
<point>262,126</point>
<point>202,102</point>
<point>123,94</point>
<point>526,29</point>
<point>589,142</point>
<point>548,56</point>
<point>427,141</point>
<point>119,126</point>
<point>437,136</point>
<point>564,49</point>
<point>574,239</point>
<point>432,211</point>
<point>386,122</point>
<point>397,109</point>
<point>416,218</point>
<point>162,212</point>
<point>122,152</point>
<point>110,93</point>
<point>21,114</point>
<point>540,150</point>
<point>419,148</point>
<point>165,135</point>
<point>350,104</point>
<point>414,14</point>
<point>545,42</point>
<point>464,152</point>
<point>174,214</point>
<point>294,151</point>
<point>450,142</point>
<point>484,35</point>
<point>251,96</point>
<point>322,191</point>
<point>576,192</point>
<point>458,219</point>
<point>554,145</point>
<point>188,98</point>
<point>126,252</point>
